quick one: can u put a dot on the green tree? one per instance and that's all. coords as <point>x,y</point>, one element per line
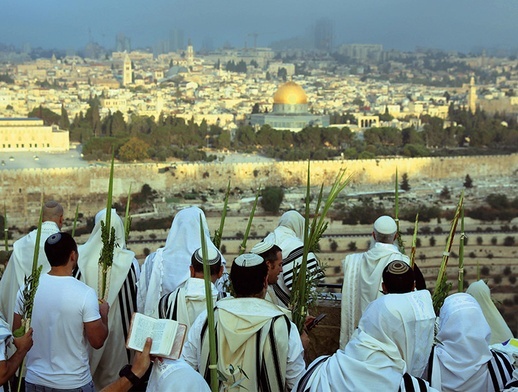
<point>93,117</point>
<point>271,198</point>
<point>468,182</point>
<point>445,193</point>
<point>48,116</point>
<point>134,150</point>
<point>386,116</point>
<point>6,78</point>
<point>64,122</point>
<point>404,182</point>
<point>282,73</point>
<point>118,127</point>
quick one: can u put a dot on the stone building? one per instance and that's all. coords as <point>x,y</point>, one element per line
<point>30,134</point>
<point>290,111</point>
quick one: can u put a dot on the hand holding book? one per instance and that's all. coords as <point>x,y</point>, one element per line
<point>167,335</point>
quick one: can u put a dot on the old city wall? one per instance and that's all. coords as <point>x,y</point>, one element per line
<point>21,189</point>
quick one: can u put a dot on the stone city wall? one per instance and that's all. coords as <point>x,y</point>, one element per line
<point>21,189</point>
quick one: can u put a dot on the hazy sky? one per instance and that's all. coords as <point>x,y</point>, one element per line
<point>400,24</point>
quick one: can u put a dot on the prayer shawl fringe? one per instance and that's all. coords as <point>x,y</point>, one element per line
<point>271,352</point>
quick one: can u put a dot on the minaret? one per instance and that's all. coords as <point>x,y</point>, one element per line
<point>127,74</point>
<point>472,96</point>
<point>190,54</point>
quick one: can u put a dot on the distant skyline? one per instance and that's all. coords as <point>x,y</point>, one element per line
<point>462,25</point>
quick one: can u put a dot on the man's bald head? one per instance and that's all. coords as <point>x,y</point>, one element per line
<point>53,211</point>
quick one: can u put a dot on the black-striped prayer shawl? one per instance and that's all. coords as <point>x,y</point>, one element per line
<point>267,370</point>
<point>293,259</point>
<point>127,300</point>
<point>168,306</point>
<point>499,368</point>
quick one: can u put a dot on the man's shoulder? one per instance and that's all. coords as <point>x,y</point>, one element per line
<point>354,257</point>
<point>80,287</point>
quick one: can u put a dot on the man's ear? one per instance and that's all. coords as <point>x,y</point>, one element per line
<point>220,273</point>
<point>384,288</point>
<point>191,268</point>
<point>265,284</point>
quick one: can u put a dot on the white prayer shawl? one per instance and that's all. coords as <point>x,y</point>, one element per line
<point>168,268</point>
<point>461,359</point>
<point>20,266</point>
<point>108,360</point>
<point>186,303</point>
<point>362,283</point>
<point>238,322</point>
<point>288,236</point>
<point>500,332</point>
<point>394,337</point>
<point>176,375</point>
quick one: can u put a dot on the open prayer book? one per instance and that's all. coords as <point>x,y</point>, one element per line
<point>168,335</point>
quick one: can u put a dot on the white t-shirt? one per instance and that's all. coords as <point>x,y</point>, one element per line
<point>59,356</point>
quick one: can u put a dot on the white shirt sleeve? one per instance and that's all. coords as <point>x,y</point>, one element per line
<point>2,351</point>
<point>191,352</point>
<point>91,306</point>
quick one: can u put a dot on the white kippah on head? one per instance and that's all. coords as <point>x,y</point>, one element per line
<point>213,255</point>
<point>262,247</point>
<point>385,225</point>
<point>248,260</point>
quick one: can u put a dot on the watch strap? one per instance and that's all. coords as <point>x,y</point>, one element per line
<point>132,377</point>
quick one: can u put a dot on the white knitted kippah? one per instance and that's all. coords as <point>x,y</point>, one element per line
<point>248,260</point>
<point>262,247</point>
<point>385,225</point>
<point>213,256</point>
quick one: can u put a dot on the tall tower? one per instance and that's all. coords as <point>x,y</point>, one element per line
<point>127,73</point>
<point>190,54</point>
<point>323,35</point>
<point>472,96</point>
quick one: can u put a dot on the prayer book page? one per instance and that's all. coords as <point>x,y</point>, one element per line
<point>168,335</point>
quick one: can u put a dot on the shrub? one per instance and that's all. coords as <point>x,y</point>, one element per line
<point>512,279</point>
<point>333,246</point>
<point>509,241</point>
<point>271,198</point>
<point>480,241</point>
<point>352,246</point>
<point>494,241</point>
<point>484,271</point>
<point>497,279</point>
<point>507,271</point>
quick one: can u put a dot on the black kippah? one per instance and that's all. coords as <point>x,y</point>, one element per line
<point>398,277</point>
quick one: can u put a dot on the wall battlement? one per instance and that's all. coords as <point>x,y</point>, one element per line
<point>21,189</point>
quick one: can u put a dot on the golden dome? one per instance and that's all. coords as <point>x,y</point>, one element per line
<point>290,93</point>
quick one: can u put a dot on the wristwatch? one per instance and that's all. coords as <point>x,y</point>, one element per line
<point>126,372</point>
